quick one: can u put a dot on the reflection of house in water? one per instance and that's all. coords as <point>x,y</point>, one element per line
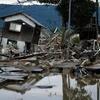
<point>22,30</point>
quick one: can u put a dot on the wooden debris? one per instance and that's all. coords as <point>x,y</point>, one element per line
<point>28,55</point>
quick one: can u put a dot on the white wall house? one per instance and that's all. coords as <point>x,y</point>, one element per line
<point>20,44</point>
<point>21,30</point>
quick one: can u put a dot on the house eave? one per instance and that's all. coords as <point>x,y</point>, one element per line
<point>32,20</point>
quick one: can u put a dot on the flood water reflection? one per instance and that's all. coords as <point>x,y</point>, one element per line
<point>59,86</point>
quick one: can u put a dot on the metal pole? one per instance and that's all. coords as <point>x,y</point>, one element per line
<point>69,27</point>
<point>69,16</point>
<point>97,18</point>
<point>98,90</point>
<point>97,11</point>
<point>66,36</point>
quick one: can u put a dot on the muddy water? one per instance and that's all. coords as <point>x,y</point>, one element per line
<point>60,86</point>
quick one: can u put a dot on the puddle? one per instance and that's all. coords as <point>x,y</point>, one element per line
<point>52,87</point>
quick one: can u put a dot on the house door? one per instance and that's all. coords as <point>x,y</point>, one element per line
<point>28,47</point>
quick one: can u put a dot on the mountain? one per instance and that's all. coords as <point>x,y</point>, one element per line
<point>44,14</point>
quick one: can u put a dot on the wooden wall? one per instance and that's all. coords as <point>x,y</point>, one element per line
<point>27,34</point>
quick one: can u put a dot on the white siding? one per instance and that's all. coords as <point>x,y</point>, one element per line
<point>21,46</point>
<point>20,17</point>
<point>4,42</point>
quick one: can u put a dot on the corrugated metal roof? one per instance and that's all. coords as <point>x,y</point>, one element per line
<point>47,15</point>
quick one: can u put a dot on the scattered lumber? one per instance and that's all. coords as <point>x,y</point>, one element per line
<point>5,55</point>
<point>28,55</point>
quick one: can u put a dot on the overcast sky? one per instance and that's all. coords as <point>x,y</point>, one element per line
<point>13,1</point>
<point>7,1</point>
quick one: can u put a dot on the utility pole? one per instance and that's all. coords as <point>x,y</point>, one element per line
<point>68,31</point>
<point>97,24</point>
<point>69,15</point>
<point>98,90</point>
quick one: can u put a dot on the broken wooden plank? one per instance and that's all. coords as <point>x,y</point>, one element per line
<point>5,55</point>
<point>13,76</point>
<point>11,69</point>
<point>37,70</point>
<point>28,55</point>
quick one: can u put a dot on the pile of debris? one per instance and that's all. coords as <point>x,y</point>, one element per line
<point>53,52</point>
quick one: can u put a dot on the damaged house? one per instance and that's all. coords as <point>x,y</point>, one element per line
<point>21,30</point>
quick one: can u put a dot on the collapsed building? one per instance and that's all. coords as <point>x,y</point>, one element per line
<point>23,31</point>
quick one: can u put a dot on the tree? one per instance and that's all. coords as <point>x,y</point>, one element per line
<point>81,12</point>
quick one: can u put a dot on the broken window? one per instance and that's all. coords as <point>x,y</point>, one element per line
<point>12,43</point>
<point>15,27</point>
